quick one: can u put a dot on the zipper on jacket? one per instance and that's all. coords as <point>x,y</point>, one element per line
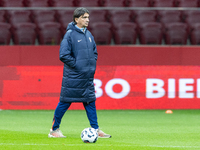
<point>89,62</point>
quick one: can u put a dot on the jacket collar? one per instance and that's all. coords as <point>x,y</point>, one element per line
<point>82,29</point>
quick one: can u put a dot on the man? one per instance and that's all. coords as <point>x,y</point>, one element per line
<point>79,54</point>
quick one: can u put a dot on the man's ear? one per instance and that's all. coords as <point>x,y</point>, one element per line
<point>76,20</point>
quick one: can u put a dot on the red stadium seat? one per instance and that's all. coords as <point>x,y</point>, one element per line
<point>117,16</point>
<point>64,17</point>
<point>62,3</point>
<point>114,3</point>
<point>186,3</point>
<point>12,3</point>
<point>151,33</point>
<point>195,34</point>
<point>192,17</point>
<point>101,32</point>
<point>139,3</point>
<point>24,34</point>
<point>40,16</point>
<point>176,33</point>
<point>87,3</point>
<point>5,34</point>
<point>125,33</point>
<point>163,3</point>
<point>19,16</point>
<point>36,3</point>
<point>2,18</point>
<point>169,16</point>
<point>143,16</point>
<point>49,33</point>
<point>97,16</point>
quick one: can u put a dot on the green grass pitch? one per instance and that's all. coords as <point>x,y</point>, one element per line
<point>130,130</point>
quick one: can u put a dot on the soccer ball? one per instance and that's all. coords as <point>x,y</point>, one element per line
<point>89,135</point>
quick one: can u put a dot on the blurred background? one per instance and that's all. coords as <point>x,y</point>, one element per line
<point>157,22</point>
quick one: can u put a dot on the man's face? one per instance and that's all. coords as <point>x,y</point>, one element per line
<point>82,21</point>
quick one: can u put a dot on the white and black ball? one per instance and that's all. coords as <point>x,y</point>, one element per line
<point>89,135</point>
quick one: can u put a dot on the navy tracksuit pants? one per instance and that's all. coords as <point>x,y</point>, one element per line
<point>62,107</point>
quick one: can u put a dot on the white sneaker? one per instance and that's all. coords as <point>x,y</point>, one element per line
<point>56,134</point>
<point>102,134</point>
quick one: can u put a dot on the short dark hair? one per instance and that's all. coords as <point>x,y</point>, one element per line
<point>79,12</point>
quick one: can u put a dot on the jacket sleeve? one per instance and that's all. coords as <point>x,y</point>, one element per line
<point>66,51</point>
